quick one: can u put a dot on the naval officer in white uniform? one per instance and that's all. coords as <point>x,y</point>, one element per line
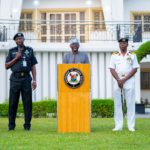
<point>123,66</point>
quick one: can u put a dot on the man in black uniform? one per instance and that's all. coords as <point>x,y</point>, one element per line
<point>21,60</point>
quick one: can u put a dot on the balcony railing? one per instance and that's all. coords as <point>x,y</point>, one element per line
<point>3,33</point>
<point>86,31</point>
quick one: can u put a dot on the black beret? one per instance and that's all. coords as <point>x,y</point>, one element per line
<point>18,35</point>
<point>123,40</point>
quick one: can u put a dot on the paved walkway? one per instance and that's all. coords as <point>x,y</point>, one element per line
<point>146,115</point>
<point>142,115</point>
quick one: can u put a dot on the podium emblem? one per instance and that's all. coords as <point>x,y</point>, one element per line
<point>73,78</point>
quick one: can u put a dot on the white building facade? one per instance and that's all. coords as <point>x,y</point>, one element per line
<point>48,25</point>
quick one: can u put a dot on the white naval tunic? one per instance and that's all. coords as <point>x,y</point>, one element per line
<point>123,65</point>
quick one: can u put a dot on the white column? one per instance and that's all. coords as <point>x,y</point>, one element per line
<point>53,76</point>
<point>16,8</point>
<point>59,61</point>
<point>102,76</point>
<point>113,11</point>
<point>39,77</point>
<point>137,87</point>
<point>0,9</point>
<point>106,5</point>
<point>10,9</point>
<point>5,10</point>
<point>2,78</point>
<point>108,77</point>
<point>46,77</point>
<point>117,9</point>
<point>89,57</point>
<point>59,58</point>
<point>94,74</point>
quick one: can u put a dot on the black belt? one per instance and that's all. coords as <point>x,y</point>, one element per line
<point>20,74</point>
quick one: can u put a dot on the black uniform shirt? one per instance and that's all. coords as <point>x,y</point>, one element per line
<point>27,55</point>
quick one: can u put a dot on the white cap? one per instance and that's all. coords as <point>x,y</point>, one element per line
<point>73,40</point>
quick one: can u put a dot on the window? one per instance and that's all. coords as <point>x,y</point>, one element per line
<point>137,17</point>
<point>26,22</point>
<point>98,21</point>
<point>70,26</point>
<point>60,27</point>
<point>147,23</point>
<point>43,39</point>
<point>43,18</point>
<point>43,30</point>
<point>82,27</point>
<point>145,80</point>
<point>144,19</point>
<point>55,27</point>
<point>43,27</point>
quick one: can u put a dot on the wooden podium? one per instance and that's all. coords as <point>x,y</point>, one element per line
<point>74,98</point>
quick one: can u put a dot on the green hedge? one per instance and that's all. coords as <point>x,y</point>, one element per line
<point>102,108</point>
<point>48,108</point>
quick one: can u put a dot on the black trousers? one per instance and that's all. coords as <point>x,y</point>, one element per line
<point>22,87</point>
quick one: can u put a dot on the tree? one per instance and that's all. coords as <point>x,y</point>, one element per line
<point>143,50</point>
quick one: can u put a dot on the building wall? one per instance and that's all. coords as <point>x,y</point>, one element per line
<point>101,80</point>
<point>145,94</point>
<point>10,9</point>
<point>27,4</point>
<point>145,67</point>
<point>89,26</point>
<point>136,6</point>
<point>112,8</point>
<point>50,55</point>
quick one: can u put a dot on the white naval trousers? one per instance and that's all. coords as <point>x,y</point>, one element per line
<point>129,96</point>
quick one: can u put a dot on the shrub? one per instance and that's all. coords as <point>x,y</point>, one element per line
<point>3,110</point>
<point>102,108</point>
<point>43,108</point>
<point>143,50</point>
<point>48,108</point>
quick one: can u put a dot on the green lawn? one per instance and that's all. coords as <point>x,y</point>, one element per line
<point>44,136</point>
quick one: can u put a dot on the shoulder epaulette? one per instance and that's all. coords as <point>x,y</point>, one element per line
<point>132,52</point>
<point>29,48</point>
<point>115,53</point>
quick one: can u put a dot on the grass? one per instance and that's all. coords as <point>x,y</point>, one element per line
<point>44,136</point>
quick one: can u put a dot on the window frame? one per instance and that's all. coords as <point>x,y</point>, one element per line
<point>145,82</point>
<point>142,15</point>
<point>64,37</point>
<point>26,25</point>
<point>100,22</point>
